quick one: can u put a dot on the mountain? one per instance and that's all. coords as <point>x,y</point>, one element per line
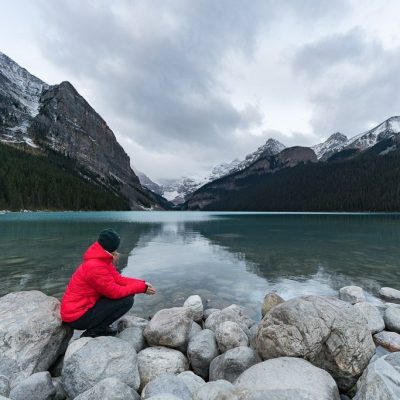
<point>178,190</point>
<point>355,170</point>
<point>57,119</point>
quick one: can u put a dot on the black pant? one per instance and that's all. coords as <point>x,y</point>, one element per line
<point>103,314</point>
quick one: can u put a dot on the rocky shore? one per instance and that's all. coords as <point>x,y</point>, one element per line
<point>306,348</point>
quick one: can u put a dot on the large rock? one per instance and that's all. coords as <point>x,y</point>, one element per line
<point>31,334</point>
<point>326,331</point>
<point>194,330</point>
<point>109,388</point>
<point>60,392</point>
<point>229,335</point>
<point>155,361</point>
<point>196,305</point>
<point>191,380</point>
<point>270,301</point>
<point>170,327</point>
<point>163,396</point>
<point>38,386</point>
<point>232,313</point>
<point>388,340</point>
<point>134,336</point>
<point>99,358</point>
<point>351,294</point>
<point>381,380</point>
<point>129,321</point>
<point>167,383</point>
<point>209,311</point>
<point>4,386</point>
<point>286,378</point>
<point>392,319</point>
<point>230,365</point>
<point>372,315</point>
<point>390,294</point>
<point>202,349</point>
<point>217,390</point>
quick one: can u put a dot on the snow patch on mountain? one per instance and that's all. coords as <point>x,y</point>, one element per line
<point>334,143</point>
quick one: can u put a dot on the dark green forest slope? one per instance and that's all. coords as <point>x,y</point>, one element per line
<point>365,183</point>
<point>50,182</point>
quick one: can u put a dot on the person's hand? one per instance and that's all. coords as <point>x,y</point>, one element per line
<point>150,289</point>
<point>116,256</point>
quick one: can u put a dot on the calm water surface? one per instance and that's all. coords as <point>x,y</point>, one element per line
<point>224,257</point>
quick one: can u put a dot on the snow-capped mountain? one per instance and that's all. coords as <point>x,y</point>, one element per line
<point>20,94</point>
<point>178,190</point>
<point>334,143</point>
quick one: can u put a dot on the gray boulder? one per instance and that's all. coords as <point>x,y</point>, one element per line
<point>351,294</point>
<point>167,383</point>
<point>388,340</point>
<point>99,358</point>
<point>328,332</point>
<point>231,364</point>
<point>372,315</point>
<point>229,335</point>
<point>202,349</point>
<point>134,336</point>
<point>155,361</point>
<point>217,390</point>
<point>4,386</point>
<point>194,330</point>
<point>109,388</point>
<point>196,305</point>
<point>232,313</point>
<point>164,396</point>
<point>286,378</point>
<point>270,301</point>
<point>390,294</point>
<point>253,335</point>
<point>170,327</point>
<point>381,380</point>
<point>129,321</point>
<point>209,311</point>
<point>38,386</point>
<point>60,392</point>
<point>392,319</point>
<point>192,381</point>
<point>31,334</point>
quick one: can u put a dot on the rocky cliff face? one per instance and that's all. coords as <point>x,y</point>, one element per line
<point>58,119</point>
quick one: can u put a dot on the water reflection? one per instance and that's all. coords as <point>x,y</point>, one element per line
<point>223,257</point>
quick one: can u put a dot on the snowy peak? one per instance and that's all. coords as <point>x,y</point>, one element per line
<point>334,143</point>
<point>385,130</point>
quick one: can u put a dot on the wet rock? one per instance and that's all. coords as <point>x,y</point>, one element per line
<point>390,294</point>
<point>217,390</point>
<point>209,311</point>
<point>351,294</point>
<point>196,305</point>
<point>202,349</point>
<point>109,388</point>
<point>388,340</point>
<point>195,329</point>
<point>381,380</point>
<point>328,332</point>
<point>287,378</point>
<point>170,327</point>
<point>192,381</point>
<point>230,335</point>
<point>392,319</point>
<point>4,386</point>
<point>231,364</point>
<point>155,361</point>
<point>372,315</point>
<point>99,358</point>
<point>270,301</point>
<point>38,386</point>
<point>31,334</point>
<point>134,336</point>
<point>167,383</point>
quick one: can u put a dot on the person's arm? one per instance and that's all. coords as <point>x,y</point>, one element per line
<point>103,281</point>
<point>138,285</point>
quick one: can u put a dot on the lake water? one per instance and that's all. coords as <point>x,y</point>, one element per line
<point>224,257</point>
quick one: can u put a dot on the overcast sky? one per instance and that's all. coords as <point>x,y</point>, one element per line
<point>188,84</point>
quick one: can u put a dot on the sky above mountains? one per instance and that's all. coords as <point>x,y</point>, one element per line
<point>186,85</point>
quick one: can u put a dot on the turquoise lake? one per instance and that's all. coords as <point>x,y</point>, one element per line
<point>224,257</point>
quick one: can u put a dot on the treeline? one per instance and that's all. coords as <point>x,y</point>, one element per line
<point>51,182</point>
<point>365,183</point>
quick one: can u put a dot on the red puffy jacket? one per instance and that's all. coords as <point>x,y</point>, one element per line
<point>96,277</point>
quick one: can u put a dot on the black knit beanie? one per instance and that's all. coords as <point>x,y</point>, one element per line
<point>109,240</point>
